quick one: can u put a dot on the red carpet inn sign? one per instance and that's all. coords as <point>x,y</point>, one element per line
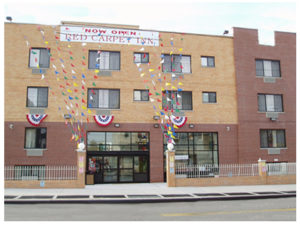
<point>108,35</point>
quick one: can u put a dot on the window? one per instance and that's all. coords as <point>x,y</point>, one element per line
<point>270,103</point>
<point>272,139</point>
<point>39,58</point>
<point>35,138</point>
<point>201,148</point>
<point>176,64</point>
<point>104,60</point>
<point>141,57</point>
<point>207,61</point>
<point>29,172</point>
<point>104,98</point>
<point>37,97</point>
<point>177,100</point>
<point>267,68</point>
<point>278,168</point>
<point>141,95</point>
<point>118,141</point>
<point>209,97</point>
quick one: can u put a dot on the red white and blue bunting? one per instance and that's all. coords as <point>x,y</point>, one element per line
<point>179,121</point>
<point>36,119</point>
<point>103,120</point>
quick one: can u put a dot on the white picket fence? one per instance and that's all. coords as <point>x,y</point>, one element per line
<point>40,172</point>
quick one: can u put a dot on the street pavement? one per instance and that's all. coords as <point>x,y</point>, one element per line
<point>274,209</point>
<point>145,192</point>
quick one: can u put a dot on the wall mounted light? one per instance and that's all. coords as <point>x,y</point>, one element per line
<point>11,126</point>
<point>156,117</point>
<point>191,126</point>
<point>228,128</point>
<point>117,125</point>
<point>156,125</point>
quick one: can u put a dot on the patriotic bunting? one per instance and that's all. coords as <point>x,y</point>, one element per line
<point>36,119</point>
<point>179,121</point>
<point>103,120</point>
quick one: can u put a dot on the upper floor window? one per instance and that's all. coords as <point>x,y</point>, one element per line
<point>104,60</point>
<point>140,57</point>
<point>272,139</point>
<point>177,100</point>
<point>209,97</point>
<point>104,98</point>
<point>39,58</point>
<point>141,95</point>
<point>37,97</point>
<point>35,138</point>
<point>207,61</point>
<point>176,64</point>
<point>267,68</point>
<point>270,103</point>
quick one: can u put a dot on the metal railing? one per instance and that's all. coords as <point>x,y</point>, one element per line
<point>40,172</point>
<point>281,169</point>
<point>223,170</point>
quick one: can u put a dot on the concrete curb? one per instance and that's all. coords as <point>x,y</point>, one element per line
<point>146,200</point>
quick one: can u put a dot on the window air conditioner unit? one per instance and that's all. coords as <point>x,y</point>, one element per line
<point>273,116</point>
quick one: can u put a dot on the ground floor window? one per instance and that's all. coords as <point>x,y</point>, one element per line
<point>200,147</point>
<point>35,138</point>
<point>29,172</point>
<point>272,139</point>
<point>118,141</point>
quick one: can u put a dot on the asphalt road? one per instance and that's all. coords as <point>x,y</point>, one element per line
<point>280,209</point>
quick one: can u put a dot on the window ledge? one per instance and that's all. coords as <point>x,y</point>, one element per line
<point>283,148</point>
<point>271,77</point>
<point>271,112</point>
<point>35,149</point>
<point>140,101</point>
<point>211,103</point>
<point>104,70</point>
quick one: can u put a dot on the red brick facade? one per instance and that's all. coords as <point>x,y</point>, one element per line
<point>61,150</point>
<point>246,50</point>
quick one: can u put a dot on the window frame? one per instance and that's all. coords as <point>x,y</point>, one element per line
<point>141,90</point>
<point>209,92</point>
<point>175,93</point>
<point>265,99</point>
<point>37,97</point>
<point>99,62</point>
<point>35,128</point>
<point>130,147</point>
<point>115,89</point>
<point>263,69</point>
<point>39,48</point>
<point>208,57</point>
<point>179,55</point>
<point>20,169</point>
<point>141,53</point>
<point>270,131</point>
<point>192,146</point>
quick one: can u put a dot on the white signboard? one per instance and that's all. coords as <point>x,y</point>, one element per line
<point>108,35</point>
<point>181,157</point>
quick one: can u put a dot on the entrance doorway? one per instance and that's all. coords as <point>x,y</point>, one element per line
<point>119,168</point>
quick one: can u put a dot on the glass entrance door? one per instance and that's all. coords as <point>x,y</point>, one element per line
<point>119,169</point>
<point>126,168</point>
<point>110,169</point>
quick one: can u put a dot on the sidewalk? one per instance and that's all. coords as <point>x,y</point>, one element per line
<point>145,192</point>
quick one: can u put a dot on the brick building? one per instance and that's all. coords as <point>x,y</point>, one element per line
<point>74,71</point>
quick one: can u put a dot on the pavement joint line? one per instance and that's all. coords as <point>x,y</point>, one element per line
<point>18,197</point>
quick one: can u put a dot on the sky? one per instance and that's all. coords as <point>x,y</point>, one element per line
<point>187,16</point>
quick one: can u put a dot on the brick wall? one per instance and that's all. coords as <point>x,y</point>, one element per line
<point>246,50</point>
